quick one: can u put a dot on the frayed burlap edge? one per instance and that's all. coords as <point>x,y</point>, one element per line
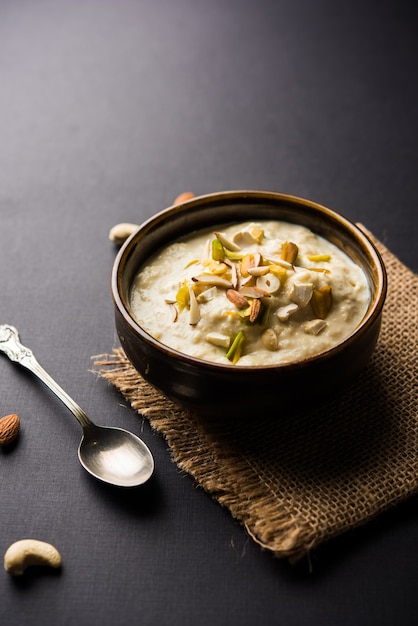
<point>229,478</point>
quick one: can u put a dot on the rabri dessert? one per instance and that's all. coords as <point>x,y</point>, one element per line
<point>250,294</point>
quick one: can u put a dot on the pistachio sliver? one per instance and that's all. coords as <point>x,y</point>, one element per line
<point>235,350</point>
<point>194,308</point>
<point>233,256</point>
<point>318,258</point>
<point>275,260</point>
<point>182,296</point>
<point>321,301</point>
<point>255,310</point>
<point>218,252</point>
<point>289,252</point>
<point>257,233</point>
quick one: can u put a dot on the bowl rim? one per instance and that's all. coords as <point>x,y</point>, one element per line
<point>373,313</point>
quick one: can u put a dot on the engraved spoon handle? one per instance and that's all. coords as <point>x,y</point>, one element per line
<point>10,344</point>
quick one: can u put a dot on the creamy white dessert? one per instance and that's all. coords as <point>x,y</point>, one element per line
<point>252,294</point>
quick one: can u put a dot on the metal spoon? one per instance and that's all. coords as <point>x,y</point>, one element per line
<point>112,455</point>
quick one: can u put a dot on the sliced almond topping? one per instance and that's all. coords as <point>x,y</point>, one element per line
<point>206,295</point>
<point>289,252</point>
<point>194,308</point>
<point>211,279</point>
<point>258,271</point>
<point>278,261</point>
<point>234,274</point>
<point>174,312</point>
<point>255,310</point>
<point>236,298</point>
<point>253,292</point>
<point>227,243</point>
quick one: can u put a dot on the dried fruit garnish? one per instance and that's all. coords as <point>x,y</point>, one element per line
<point>289,252</point>
<point>218,252</point>
<point>234,352</point>
<point>321,301</point>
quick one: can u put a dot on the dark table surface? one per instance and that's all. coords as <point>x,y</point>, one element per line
<point>108,110</point>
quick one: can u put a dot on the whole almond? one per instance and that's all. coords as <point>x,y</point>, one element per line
<point>9,428</point>
<point>183,197</point>
<point>237,299</point>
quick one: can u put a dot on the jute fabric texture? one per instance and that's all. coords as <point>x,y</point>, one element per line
<point>296,482</point>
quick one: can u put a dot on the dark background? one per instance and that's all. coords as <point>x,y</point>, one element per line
<point>108,110</point>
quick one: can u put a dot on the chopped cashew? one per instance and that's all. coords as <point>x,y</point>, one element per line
<point>286,311</point>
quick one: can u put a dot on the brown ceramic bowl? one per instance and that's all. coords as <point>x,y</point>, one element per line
<point>227,390</point>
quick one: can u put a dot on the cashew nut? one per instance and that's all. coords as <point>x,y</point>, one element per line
<point>26,552</point>
<point>120,232</point>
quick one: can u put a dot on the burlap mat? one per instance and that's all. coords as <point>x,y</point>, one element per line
<point>295,483</point>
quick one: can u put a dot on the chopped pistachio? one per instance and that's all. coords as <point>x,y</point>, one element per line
<point>255,310</point>
<point>192,262</point>
<point>278,270</point>
<point>233,256</point>
<point>318,258</point>
<point>289,252</point>
<point>321,301</point>
<point>247,262</point>
<point>218,252</point>
<point>257,233</point>
<point>215,267</point>
<point>235,350</point>
<point>182,296</point>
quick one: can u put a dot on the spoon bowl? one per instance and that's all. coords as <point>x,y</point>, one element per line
<point>115,456</point>
<point>112,455</point>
